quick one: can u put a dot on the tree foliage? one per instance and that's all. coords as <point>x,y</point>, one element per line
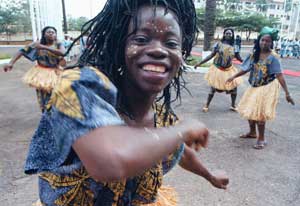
<point>247,23</point>
<point>75,24</point>
<point>242,22</point>
<point>14,16</point>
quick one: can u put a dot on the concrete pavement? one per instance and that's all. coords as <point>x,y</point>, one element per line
<point>269,177</point>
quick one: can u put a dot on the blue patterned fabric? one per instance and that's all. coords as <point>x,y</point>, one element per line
<point>224,55</point>
<point>262,72</point>
<point>43,57</point>
<point>84,99</point>
<point>57,131</point>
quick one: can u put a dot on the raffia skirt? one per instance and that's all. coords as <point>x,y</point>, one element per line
<point>166,196</point>
<point>42,78</point>
<point>259,103</point>
<point>217,78</point>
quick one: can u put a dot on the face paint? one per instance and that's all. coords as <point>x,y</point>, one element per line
<point>153,54</point>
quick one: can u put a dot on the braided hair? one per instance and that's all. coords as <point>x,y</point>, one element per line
<point>43,39</point>
<point>231,41</point>
<point>108,32</point>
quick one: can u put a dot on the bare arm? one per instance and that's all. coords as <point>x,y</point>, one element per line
<point>192,163</point>
<point>282,82</point>
<point>117,152</point>
<point>60,51</point>
<point>209,57</point>
<point>10,65</point>
<point>240,73</point>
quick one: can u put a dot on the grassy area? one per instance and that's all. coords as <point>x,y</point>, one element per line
<point>4,56</point>
<point>193,60</point>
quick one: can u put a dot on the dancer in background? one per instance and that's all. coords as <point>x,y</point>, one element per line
<point>259,101</point>
<point>48,53</point>
<point>222,68</point>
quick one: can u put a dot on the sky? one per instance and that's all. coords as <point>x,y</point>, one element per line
<point>86,8</point>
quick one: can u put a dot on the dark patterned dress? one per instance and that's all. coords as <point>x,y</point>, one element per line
<point>85,99</point>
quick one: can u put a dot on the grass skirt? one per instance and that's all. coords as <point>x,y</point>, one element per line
<point>259,103</point>
<point>217,78</point>
<point>166,196</point>
<point>42,78</point>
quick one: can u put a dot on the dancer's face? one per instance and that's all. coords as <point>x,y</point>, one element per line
<point>265,42</point>
<point>153,53</point>
<point>228,35</point>
<point>50,34</point>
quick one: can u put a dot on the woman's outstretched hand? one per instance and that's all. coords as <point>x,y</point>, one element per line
<point>8,67</point>
<point>289,99</point>
<point>220,180</point>
<point>197,65</point>
<point>229,80</point>
<point>195,135</point>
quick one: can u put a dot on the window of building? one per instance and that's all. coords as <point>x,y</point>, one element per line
<point>272,6</point>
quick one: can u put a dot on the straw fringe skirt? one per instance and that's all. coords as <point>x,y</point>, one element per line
<point>167,196</point>
<point>259,103</point>
<point>217,78</point>
<point>42,78</point>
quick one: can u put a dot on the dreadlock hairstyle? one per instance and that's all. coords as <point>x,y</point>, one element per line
<point>108,32</point>
<point>231,41</point>
<point>43,39</point>
<point>256,48</point>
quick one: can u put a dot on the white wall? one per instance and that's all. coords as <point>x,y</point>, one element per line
<point>46,13</point>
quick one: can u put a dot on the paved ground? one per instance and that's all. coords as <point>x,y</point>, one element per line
<point>269,177</point>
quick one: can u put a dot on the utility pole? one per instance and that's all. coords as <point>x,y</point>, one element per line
<point>65,27</point>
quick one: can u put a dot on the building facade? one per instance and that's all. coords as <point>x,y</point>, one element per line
<point>287,11</point>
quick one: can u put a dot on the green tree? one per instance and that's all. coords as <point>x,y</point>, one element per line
<point>242,22</point>
<point>24,17</point>
<point>209,23</point>
<point>201,17</point>
<point>75,24</point>
<point>14,16</point>
<point>253,23</point>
